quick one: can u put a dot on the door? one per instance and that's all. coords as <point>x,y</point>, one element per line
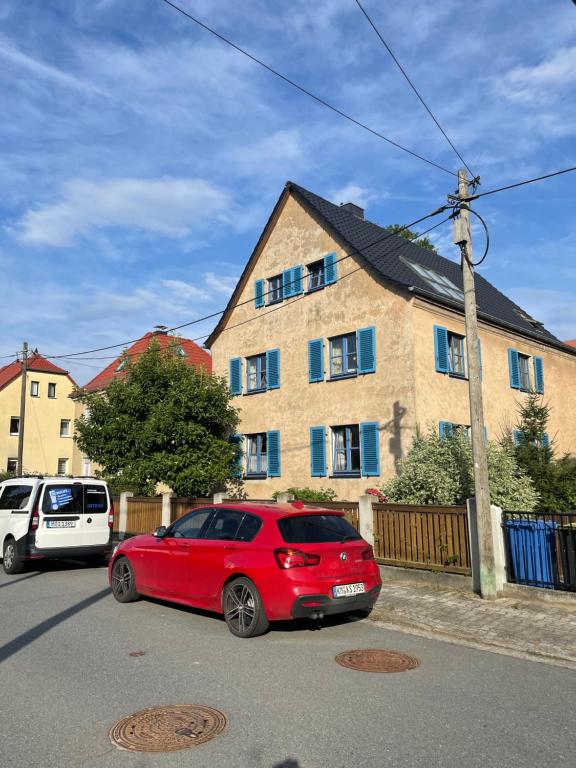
<point>14,509</point>
<point>211,551</point>
<point>60,523</point>
<point>169,562</point>
<point>95,528</point>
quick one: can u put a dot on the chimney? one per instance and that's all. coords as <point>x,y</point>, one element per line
<point>160,330</point>
<point>354,209</point>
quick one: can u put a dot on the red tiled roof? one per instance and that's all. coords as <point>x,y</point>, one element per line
<point>35,363</point>
<point>572,343</point>
<point>193,355</point>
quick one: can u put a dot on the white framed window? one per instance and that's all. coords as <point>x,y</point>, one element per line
<point>12,465</point>
<point>346,449</point>
<point>51,389</point>
<point>275,289</point>
<point>456,354</point>
<point>86,465</point>
<point>64,427</point>
<point>256,373</point>
<point>14,425</point>
<point>524,369</point>
<point>343,356</point>
<point>316,275</point>
<point>62,466</point>
<point>256,454</point>
<point>34,389</point>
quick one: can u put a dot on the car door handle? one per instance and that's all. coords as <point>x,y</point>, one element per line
<point>231,546</point>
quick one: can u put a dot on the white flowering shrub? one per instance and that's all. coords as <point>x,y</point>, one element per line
<point>439,471</point>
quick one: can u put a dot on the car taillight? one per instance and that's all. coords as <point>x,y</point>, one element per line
<point>294,558</point>
<point>35,520</point>
<point>368,554</point>
<point>111,515</point>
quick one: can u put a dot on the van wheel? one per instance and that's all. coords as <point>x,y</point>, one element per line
<point>243,609</point>
<point>123,582</point>
<point>12,562</point>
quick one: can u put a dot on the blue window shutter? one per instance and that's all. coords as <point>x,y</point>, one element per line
<point>316,360</point>
<point>330,273</point>
<point>238,466</point>
<point>318,452</point>
<point>287,284</point>
<point>273,368</point>
<point>514,368</point>
<point>545,440</point>
<point>366,350</point>
<point>236,375</point>
<point>480,358</point>
<point>259,293</point>
<point>539,375</point>
<point>297,282</point>
<point>370,449</point>
<point>445,429</point>
<point>485,433</point>
<point>273,440</point>
<point>441,349</point>
<point>518,436</point>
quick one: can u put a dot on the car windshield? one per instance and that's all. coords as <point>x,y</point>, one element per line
<point>312,529</point>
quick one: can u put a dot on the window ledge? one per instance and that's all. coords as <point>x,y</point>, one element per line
<point>276,301</point>
<point>255,391</point>
<point>344,475</point>
<point>317,288</point>
<point>461,376</point>
<point>258,476</point>
<point>341,376</point>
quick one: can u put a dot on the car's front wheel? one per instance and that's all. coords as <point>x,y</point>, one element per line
<point>243,608</point>
<point>123,582</point>
<point>12,560</point>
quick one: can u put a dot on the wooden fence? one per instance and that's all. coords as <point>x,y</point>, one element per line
<point>350,509</point>
<point>430,537</point>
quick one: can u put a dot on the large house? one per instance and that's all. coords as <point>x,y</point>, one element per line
<point>49,417</point>
<point>340,341</point>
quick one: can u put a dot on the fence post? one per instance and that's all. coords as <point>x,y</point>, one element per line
<point>219,498</point>
<point>167,507</point>
<point>499,554</point>
<point>474,545</point>
<point>366,518</point>
<point>123,517</point>
<point>284,498</point>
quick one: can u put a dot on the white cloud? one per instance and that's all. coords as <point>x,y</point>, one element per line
<point>220,283</point>
<point>186,290</point>
<point>543,82</point>
<point>355,193</point>
<point>166,206</point>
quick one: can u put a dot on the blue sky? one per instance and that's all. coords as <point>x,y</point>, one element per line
<point>141,157</point>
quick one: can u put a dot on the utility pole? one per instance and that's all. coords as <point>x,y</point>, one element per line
<point>22,407</point>
<point>463,238</point>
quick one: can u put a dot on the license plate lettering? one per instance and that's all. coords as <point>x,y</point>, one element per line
<point>61,524</point>
<point>345,590</point>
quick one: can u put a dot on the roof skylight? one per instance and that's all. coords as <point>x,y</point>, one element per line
<point>439,283</point>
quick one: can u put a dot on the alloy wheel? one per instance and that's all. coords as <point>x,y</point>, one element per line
<point>240,607</point>
<point>9,555</point>
<point>121,579</point>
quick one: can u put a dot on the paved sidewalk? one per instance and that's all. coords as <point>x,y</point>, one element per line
<point>510,625</point>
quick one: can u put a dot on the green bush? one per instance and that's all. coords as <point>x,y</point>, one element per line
<point>309,494</point>
<point>439,471</point>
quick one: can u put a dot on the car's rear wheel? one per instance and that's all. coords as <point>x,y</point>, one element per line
<point>123,582</point>
<point>243,608</point>
<point>12,560</point>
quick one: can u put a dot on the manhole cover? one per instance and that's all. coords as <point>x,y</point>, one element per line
<point>376,660</point>
<point>167,729</point>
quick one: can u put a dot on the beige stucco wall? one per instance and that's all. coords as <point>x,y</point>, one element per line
<point>442,398</point>
<point>354,302</point>
<point>43,445</point>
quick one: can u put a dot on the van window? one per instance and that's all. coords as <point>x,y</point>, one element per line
<point>15,496</point>
<point>74,499</point>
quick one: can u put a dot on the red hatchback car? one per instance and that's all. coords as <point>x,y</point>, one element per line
<point>255,563</point>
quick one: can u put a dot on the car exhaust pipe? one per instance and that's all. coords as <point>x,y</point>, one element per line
<point>317,615</point>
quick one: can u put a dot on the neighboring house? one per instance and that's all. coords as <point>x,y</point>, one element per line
<point>49,417</point>
<point>572,343</point>
<point>184,348</point>
<point>335,363</point>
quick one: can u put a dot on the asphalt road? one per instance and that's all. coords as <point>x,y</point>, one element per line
<point>66,676</point>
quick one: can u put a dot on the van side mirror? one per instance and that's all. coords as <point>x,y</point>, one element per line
<point>160,532</point>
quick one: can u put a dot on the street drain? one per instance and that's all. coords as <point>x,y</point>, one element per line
<point>167,729</point>
<point>376,660</point>
<point>137,653</point>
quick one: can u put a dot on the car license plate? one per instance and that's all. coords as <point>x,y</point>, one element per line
<point>345,590</point>
<point>61,524</point>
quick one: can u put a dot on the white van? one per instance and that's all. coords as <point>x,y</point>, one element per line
<point>54,517</point>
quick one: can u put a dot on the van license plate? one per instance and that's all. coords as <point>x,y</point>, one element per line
<point>61,524</point>
<point>345,590</point>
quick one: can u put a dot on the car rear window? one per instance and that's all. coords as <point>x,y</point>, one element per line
<point>74,499</point>
<point>15,496</point>
<point>302,529</point>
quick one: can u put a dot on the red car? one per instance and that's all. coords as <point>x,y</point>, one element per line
<point>255,563</point>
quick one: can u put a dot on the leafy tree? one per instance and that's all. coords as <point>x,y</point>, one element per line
<point>163,421</point>
<point>407,234</point>
<point>554,480</point>
<point>438,470</point>
<point>310,494</point>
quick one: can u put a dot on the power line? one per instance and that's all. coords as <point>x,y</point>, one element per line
<point>411,84</point>
<point>301,88</point>
<point>284,304</point>
<point>513,186</point>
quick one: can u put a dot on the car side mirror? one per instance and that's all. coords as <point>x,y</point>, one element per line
<point>160,532</point>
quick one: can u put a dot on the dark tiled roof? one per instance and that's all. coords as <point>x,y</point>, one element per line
<point>389,258</point>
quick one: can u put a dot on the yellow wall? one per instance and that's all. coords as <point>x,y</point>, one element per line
<point>354,302</point>
<point>442,398</point>
<point>43,445</point>
<point>405,391</point>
